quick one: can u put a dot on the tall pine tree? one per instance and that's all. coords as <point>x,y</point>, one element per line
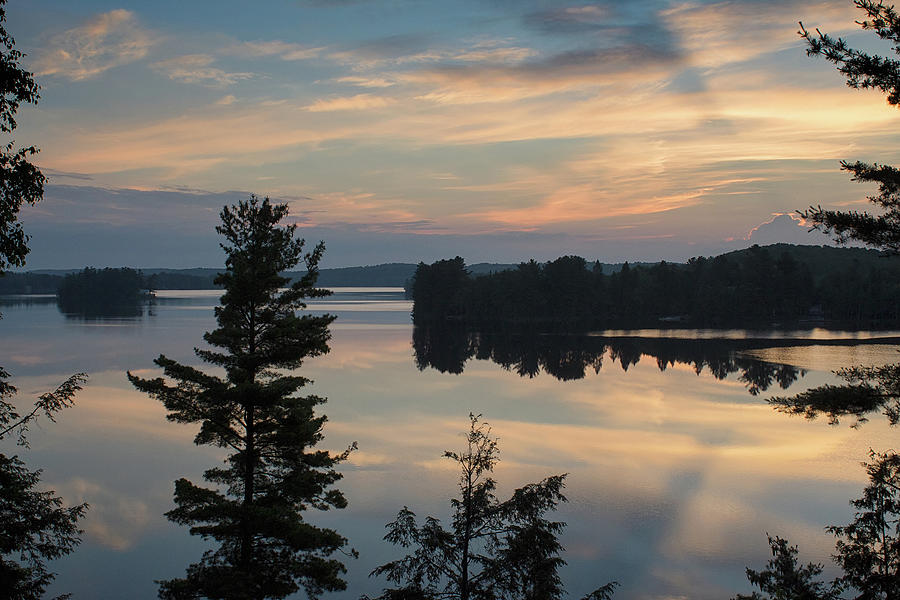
<point>255,507</point>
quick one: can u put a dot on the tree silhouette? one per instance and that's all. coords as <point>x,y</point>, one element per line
<point>20,180</point>
<point>255,507</point>
<point>863,70</point>
<point>34,525</point>
<point>493,549</point>
<point>868,549</point>
<point>103,293</point>
<point>784,579</point>
<point>866,390</point>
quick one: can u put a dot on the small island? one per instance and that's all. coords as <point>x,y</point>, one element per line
<point>97,293</point>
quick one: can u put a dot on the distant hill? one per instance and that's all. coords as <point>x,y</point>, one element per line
<point>823,260</point>
<point>820,260</point>
<point>384,275</point>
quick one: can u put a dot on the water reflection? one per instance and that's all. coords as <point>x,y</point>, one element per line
<point>25,300</point>
<point>448,346</point>
<point>674,479</point>
<point>104,312</point>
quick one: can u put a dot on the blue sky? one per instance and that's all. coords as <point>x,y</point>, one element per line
<point>403,130</point>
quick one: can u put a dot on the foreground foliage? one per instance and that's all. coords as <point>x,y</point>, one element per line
<point>863,71</point>
<point>866,390</point>
<point>493,549</point>
<point>255,507</point>
<point>35,526</point>
<point>21,182</point>
<point>784,579</point>
<point>867,549</point>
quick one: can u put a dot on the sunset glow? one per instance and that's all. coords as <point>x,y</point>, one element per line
<point>493,130</point>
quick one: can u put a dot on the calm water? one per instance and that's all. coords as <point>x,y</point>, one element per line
<point>674,478</point>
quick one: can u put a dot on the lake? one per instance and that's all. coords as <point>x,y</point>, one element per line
<point>676,471</point>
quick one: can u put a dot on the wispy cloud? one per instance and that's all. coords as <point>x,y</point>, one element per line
<point>367,82</point>
<point>570,19</point>
<point>280,49</point>
<point>720,33</point>
<point>565,71</point>
<point>357,102</point>
<point>108,40</point>
<point>402,50</point>
<point>197,68</point>
<point>583,203</point>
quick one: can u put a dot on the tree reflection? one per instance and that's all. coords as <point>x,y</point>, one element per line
<point>447,346</point>
<point>867,390</point>
<point>89,312</point>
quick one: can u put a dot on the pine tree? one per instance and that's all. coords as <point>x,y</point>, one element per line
<point>255,506</point>
<point>865,390</point>
<point>868,549</point>
<point>863,71</point>
<point>785,579</point>
<point>493,549</point>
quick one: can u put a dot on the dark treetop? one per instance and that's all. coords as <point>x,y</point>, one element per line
<point>255,507</point>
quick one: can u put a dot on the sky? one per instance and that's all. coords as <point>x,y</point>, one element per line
<point>408,130</point>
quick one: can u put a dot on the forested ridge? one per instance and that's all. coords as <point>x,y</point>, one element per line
<point>47,281</point>
<point>760,286</point>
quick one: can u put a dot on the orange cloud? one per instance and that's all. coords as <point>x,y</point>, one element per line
<point>357,102</point>
<point>720,33</point>
<point>108,40</point>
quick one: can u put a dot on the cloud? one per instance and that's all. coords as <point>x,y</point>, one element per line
<point>412,49</point>
<point>115,520</point>
<point>390,47</point>
<point>564,71</point>
<point>584,203</point>
<point>283,50</point>
<point>788,229</point>
<point>570,19</point>
<point>368,82</point>
<point>358,102</point>
<point>108,40</point>
<point>195,68</point>
<point>485,53</point>
<point>123,207</point>
<point>719,33</point>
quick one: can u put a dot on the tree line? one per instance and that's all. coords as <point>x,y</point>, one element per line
<point>753,288</point>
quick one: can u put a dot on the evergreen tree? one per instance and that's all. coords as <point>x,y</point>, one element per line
<point>868,549</point>
<point>20,180</point>
<point>784,579</point>
<point>863,70</point>
<point>866,389</point>
<point>34,525</point>
<point>255,507</point>
<point>494,549</point>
